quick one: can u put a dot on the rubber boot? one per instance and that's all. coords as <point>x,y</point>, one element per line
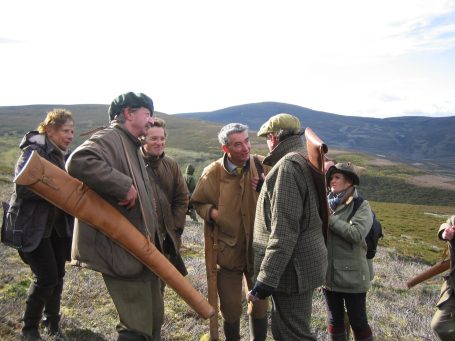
<point>337,333</point>
<point>232,330</point>
<point>129,335</point>
<point>33,312</point>
<point>52,314</point>
<point>363,335</point>
<point>258,329</point>
<point>338,337</point>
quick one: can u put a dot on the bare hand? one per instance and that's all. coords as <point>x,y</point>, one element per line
<point>130,199</point>
<point>449,233</point>
<point>251,297</point>
<point>255,181</point>
<point>214,214</point>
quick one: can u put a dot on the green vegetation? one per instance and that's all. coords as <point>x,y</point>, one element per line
<point>411,230</point>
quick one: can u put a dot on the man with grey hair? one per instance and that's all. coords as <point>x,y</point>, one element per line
<point>289,249</point>
<point>225,198</point>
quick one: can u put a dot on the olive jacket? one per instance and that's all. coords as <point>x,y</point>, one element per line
<point>171,203</point>
<point>349,270</point>
<point>289,250</point>
<point>101,163</point>
<point>448,287</point>
<point>236,201</point>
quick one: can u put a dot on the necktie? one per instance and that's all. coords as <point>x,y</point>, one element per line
<point>238,170</point>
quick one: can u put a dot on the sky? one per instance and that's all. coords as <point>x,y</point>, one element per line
<point>375,58</point>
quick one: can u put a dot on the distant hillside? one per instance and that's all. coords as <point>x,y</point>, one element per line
<point>184,133</point>
<point>424,140</point>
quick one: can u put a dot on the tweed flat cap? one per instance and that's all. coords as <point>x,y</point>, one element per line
<point>280,122</point>
<point>129,100</point>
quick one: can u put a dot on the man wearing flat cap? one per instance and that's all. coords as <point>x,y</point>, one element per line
<point>290,257</point>
<point>111,164</point>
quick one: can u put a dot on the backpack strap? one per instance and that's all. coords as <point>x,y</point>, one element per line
<point>357,202</point>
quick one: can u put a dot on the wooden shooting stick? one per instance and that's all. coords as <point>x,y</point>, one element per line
<point>435,270</point>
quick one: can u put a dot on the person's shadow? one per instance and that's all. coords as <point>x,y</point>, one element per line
<point>84,335</point>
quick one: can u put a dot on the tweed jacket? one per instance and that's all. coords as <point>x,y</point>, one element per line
<point>448,287</point>
<point>101,163</point>
<point>236,201</point>
<point>171,200</point>
<point>289,249</point>
<point>349,270</point>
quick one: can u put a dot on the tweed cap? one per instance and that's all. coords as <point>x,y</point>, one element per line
<point>280,122</point>
<point>129,100</point>
<point>347,169</point>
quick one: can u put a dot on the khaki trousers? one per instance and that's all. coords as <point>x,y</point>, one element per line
<point>443,322</point>
<point>231,295</point>
<point>139,305</point>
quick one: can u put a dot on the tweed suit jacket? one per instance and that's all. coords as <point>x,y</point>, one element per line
<point>290,253</point>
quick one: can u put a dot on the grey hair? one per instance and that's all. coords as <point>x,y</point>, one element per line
<point>228,129</point>
<point>120,118</point>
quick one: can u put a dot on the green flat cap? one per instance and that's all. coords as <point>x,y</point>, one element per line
<point>279,122</point>
<point>347,169</point>
<point>129,100</point>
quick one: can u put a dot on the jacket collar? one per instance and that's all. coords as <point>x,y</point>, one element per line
<point>291,144</point>
<point>152,161</point>
<point>131,137</point>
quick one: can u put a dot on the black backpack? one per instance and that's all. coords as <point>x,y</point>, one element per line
<point>375,233</point>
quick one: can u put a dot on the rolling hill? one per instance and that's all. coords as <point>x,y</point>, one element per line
<point>425,141</point>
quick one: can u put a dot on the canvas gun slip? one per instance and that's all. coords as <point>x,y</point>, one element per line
<point>316,150</point>
<point>75,198</point>
<point>435,270</point>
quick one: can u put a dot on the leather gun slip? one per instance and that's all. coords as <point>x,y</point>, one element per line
<point>316,149</point>
<point>75,198</point>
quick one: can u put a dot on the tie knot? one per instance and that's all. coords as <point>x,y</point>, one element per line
<point>238,170</point>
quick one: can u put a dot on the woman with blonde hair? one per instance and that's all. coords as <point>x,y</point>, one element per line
<point>349,271</point>
<point>40,231</point>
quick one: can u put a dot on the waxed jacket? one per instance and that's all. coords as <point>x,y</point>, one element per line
<point>448,287</point>
<point>101,163</point>
<point>289,250</point>
<point>349,269</point>
<point>31,218</point>
<point>236,201</point>
<point>190,179</point>
<point>171,199</point>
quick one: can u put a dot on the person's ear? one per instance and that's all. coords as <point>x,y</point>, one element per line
<point>225,148</point>
<point>128,113</point>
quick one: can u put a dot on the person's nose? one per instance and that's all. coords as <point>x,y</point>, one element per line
<point>151,120</point>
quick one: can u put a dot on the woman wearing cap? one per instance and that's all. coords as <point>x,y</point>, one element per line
<point>349,272</point>
<point>39,230</point>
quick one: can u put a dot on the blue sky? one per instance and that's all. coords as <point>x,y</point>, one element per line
<point>353,57</point>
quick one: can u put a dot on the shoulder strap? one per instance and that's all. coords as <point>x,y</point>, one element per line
<point>258,165</point>
<point>357,202</point>
<point>148,224</point>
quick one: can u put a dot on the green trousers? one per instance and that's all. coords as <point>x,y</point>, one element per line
<point>443,322</point>
<point>139,305</point>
